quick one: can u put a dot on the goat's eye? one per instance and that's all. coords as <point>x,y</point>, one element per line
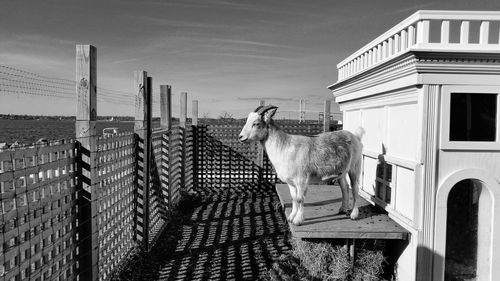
<point>255,124</point>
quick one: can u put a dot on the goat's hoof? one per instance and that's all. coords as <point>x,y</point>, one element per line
<point>354,214</point>
<point>343,211</point>
<point>297,221</point>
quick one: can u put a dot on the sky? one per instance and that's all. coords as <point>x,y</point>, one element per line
<point>227,54</point>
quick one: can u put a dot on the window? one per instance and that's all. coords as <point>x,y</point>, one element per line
<point>473,117</point>
<point>470,118</point>
<point>383,182</point>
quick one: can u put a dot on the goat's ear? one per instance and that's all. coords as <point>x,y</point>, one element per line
<point>269,114</point>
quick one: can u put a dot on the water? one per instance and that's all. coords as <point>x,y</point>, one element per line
<point>29,131</point>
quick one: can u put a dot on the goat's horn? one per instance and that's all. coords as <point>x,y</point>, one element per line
<point>262,109</point>
<point>258,108</point>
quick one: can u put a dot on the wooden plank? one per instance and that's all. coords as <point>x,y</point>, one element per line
<point>323,221</point>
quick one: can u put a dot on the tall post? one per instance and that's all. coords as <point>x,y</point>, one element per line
<point>142,128</point>
<point>194,110</point>
<point>326,116</point>
<point>86,134</point>
<point>166,106</point>
<point>183,113</point>
<point>262,102</point>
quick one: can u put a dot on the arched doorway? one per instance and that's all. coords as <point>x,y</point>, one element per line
<point>465,222</point>
<point>463,234</point>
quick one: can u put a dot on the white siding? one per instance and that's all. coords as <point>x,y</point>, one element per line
<point>402,131</point>
<point>369,170</point>
<point>405,188</point>
<point>374,121</point>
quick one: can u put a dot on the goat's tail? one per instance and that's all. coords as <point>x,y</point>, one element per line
<point>359,133</point>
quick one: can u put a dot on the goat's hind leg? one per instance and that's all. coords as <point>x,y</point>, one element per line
<point>301,194</point>
<point>293,194</point>
<point>354,177</point>
<point>345,194</point>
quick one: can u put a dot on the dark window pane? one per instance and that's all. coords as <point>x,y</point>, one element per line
<point>473,117</point>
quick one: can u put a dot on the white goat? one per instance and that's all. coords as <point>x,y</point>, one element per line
<point>300,160</point>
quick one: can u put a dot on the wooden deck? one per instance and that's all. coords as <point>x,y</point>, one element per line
<point>323,221</point>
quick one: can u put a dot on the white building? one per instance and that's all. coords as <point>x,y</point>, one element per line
<point>427,94</point>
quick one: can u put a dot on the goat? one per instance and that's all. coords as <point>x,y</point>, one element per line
<point>300,160</point>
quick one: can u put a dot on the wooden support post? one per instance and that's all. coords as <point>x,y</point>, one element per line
<point>326,116</point>
<point>166,106</point>
<point>183,112</point>
<point>194,110</point>
<point>86,134</point>
<point>142,128</point>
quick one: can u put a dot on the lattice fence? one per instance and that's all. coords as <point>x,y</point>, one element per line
<point>116,158</point>
<point>44,211</point>
<point>38,195</point>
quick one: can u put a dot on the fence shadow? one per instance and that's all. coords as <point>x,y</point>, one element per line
<point>229,235</point>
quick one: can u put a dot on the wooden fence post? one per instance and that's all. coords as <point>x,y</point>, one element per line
<point>86,134</point>
<point>166,106</point>
<point>182,125</point>
<point>326,117</point>
<point>142,128</point>
<point>183,112</point>
<point>194,117</point>
<point>194,126</point>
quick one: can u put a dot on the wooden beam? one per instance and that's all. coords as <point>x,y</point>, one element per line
<point>166,106</point>
<point>88,183</point>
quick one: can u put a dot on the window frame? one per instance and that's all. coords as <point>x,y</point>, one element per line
<point>445,142</point>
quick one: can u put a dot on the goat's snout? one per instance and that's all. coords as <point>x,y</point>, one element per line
<point>242,138</point>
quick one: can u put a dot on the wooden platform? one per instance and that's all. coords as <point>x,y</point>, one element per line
<point>323,221</point>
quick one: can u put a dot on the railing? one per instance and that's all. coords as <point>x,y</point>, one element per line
<point>415,34</point>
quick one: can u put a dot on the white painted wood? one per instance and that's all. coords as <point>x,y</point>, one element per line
<point>391,47</point>
<point>464,32</point>
<point>445,32</point>
<point>484,32</point>
<point>402,131</point>
<point>397,43</point>
<point>411,35</point>
<point>423,31</point>
<point>404,40</point>
<point>405,192</point>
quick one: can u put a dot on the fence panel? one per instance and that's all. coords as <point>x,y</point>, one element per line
<point>116,215</point>
<point>38,192</point>
<point>158,204</point>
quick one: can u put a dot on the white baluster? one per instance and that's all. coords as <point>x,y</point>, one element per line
<point>391,47</point>
<point>484,31</point>
<point>411,35</point>
<point>464,32</point>
<point>404,40</point>
<point>397,43</point>
<point>445,32</point>
<point>423,31</point>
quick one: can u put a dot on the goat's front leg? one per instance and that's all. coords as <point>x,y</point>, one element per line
<point>345,195</point>
<point>293,194</point>
<point>301,194</point>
